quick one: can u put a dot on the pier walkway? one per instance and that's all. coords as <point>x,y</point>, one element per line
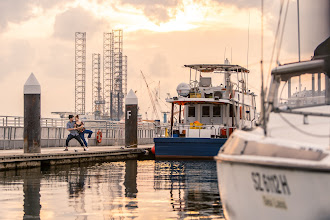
<point>15,159</point>
<point>54,132</point>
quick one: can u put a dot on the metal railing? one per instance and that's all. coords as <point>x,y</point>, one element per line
<point>181,130</point>
<point>18,121</point>
<point>54,132</point>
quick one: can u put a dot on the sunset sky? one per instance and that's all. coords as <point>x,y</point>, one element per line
<point>160,36</point>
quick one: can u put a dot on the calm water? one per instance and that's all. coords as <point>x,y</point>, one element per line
<point>113,190</point>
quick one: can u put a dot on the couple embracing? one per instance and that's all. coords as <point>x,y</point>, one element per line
<point>77,131</point>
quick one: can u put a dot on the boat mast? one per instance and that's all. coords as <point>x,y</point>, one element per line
<point>262,71</point>
<point>299,44</point>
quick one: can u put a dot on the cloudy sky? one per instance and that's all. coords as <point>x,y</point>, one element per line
<point>160,36</point>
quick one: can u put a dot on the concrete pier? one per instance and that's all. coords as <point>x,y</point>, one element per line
<point>16,159</point>
<point>32,128</point>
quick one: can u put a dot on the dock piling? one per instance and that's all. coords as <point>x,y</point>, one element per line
<point>131,110</point>
<point>32,128</point>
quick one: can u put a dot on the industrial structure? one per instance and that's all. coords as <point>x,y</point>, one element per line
<point>80,72</point>
<point>114,74</point>
<point>107,70</point>
<point>108,93</point>
<point>97,96</point>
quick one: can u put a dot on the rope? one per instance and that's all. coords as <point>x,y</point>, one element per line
<point>302,131</point>
<point>284,22</point>
<point>276,37</point>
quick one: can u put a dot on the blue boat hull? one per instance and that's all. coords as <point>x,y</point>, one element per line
<point>188,148</point>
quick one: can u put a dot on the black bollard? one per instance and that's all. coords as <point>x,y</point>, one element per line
<point>131,112</point>
<point>32,129</point>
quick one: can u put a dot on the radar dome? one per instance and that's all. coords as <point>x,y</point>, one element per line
<point>183,89</point>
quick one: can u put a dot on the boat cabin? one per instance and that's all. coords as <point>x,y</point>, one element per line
<point>212,107</point>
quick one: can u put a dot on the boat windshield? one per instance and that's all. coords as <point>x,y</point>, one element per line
<point>303,90</point>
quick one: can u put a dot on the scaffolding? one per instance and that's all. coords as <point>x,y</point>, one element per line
<point>97,96</point>
<point>117,78</point>
<point>114,75</point>
<point>125,75</point>
<point>107,73</point>
<point>80,72</point>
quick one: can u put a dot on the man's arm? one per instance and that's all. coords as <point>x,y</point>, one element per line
<point>81,126</point>
<point>69,128</point>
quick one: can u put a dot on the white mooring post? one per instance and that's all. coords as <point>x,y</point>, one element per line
<point>32,129</point>
<point>131,112</point>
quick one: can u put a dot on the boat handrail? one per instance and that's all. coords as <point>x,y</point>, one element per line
<point>296,69</point>
<point>289,111</point>
<point>221,131</point>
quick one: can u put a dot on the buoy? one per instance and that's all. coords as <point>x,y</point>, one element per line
<point>153,150</point>
<point>99,136</point>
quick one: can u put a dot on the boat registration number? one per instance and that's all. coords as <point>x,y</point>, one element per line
<point>270,183</point>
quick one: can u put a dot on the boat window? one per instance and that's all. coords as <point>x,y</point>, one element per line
<point>216,111</point>
<point>303,90</point>
<point>247,113</point>
<point>191,111</point>
<point>231,111</point>
<point>206,111</point>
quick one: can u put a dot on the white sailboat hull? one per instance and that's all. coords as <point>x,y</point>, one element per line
<point>261,192</point>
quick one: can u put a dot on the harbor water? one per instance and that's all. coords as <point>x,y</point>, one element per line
<point>113,190</point>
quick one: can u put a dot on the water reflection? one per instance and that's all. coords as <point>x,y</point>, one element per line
<point>130,184</point>
<point>192,185</point>
<point>130,178</point>
<point>31,188</point>
<point>125,190</point>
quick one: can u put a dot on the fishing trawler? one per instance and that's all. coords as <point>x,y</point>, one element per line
<point>209,111</point>
<point>283,165</point>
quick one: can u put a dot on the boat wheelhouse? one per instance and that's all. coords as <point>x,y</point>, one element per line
<point>214,103</point>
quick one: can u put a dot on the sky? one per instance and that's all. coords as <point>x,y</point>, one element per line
<point>160,36</point>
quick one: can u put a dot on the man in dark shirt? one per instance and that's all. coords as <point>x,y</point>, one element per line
<point>70,126</point>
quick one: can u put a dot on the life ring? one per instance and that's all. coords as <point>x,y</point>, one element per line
<point>99,136</point>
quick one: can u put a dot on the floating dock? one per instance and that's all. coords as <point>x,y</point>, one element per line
<point>16,159</point>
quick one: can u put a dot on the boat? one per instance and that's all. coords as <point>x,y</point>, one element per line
<point>281,168</point>
<point>209,110</point>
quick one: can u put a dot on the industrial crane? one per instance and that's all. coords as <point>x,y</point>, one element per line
<point>150,96</point>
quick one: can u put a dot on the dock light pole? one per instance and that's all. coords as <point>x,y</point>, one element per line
<point>131,112</point>
<point>32,128</point>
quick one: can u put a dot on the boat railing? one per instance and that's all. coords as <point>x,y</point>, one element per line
<point>201,131</point>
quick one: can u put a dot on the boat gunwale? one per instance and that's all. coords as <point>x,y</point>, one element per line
<point>275,164</point>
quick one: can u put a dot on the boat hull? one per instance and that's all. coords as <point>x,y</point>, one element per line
<point>188,148</point>
<point>264,192</point>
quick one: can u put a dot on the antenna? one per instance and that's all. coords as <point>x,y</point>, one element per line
<point>231,55</point>
<point>248,45</point>
<point>224,55</point>
<point>299,42</point>
<point>298,30</point>
<point>262,69</point>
